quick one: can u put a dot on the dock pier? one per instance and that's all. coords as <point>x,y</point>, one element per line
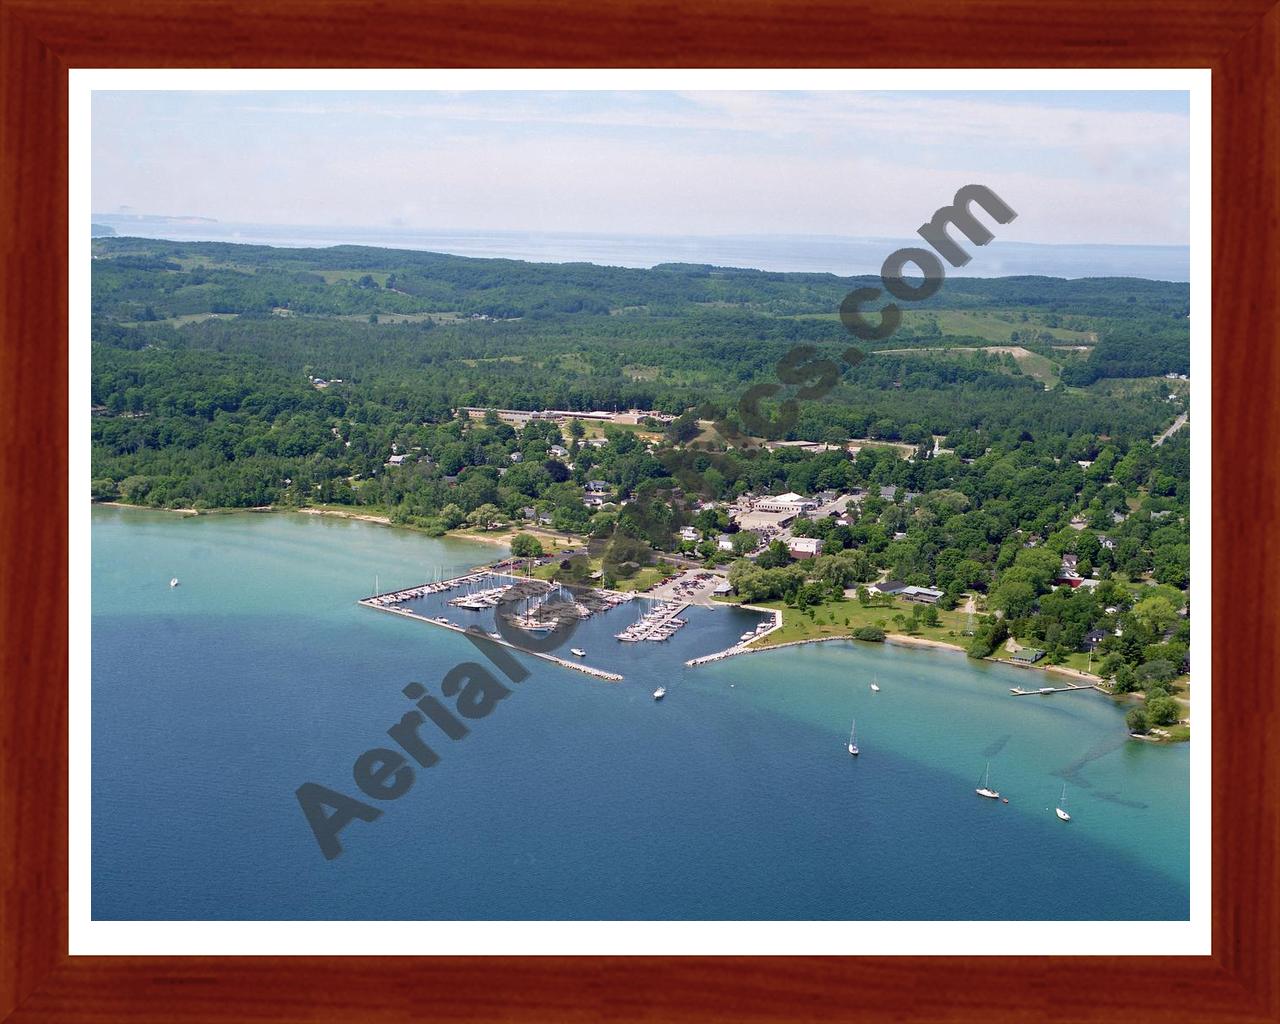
<point>1044,691</point>
<point>391,601</point>
<point>655,626</point>
<point>577,666</point>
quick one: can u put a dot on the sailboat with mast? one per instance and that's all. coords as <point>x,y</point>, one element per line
<point>853,740</point>
<point>1062,805</point>
<point>985,788</point>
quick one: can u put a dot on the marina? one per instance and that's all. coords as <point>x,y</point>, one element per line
<point>659,624</point>
<point>535,606</point>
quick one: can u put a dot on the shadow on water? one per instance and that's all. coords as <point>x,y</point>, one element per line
<point>998,745</point>
<point>1105,745</point>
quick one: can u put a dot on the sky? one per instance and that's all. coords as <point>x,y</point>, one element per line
<point>1077,167</point>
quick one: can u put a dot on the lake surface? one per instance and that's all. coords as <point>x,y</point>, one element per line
<point>825,254</point>
<point>733,798</point>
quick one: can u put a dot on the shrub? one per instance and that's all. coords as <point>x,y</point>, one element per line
<point>872,634</point>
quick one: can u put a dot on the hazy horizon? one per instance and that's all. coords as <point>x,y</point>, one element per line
<point>1079,167</point>
<point>843,255</point>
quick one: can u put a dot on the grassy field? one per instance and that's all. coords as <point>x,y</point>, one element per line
<point>648,576</point>
<point>838,618</point>
<point>1042,368</point>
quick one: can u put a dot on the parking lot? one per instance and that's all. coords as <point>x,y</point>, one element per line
<point>692,585</point>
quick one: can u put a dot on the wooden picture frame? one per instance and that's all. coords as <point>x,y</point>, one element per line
<point>41,39</point>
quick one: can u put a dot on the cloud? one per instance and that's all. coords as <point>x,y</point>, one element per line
<point>641,162</point>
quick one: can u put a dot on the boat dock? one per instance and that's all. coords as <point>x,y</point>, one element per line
<point>659,624</point>
<point>1044,691</point>
<point>422,590</point>
<point>577,666</point>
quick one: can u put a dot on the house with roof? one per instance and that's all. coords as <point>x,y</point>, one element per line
<point>804,547</point>
<point>920,595</point>
<point>1028,655</point>
<point>887,587</point>
<point>1093,639</point>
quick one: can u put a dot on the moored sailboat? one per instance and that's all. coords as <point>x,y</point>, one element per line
<point>853,743</point>
<point>985,789</point>
<point>1061,809</point>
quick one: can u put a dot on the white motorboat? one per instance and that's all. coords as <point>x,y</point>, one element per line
<point>659,693</point>
<point>577,652</point>
<point>173,582</point>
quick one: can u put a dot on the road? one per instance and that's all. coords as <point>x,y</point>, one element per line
<point>1173,429</point>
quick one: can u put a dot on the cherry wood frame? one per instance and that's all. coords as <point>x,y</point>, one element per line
<point>41,39</point>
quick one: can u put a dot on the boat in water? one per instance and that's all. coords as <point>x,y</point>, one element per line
<point>577,652</point>
<point>875,687</point>
<point>853,740</point>
<point>985,789</point>
<point>1061,809</point>
<point>173,582</point>
<point>659,693</point>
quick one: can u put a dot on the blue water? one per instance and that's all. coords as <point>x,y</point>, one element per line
<point>826,254</point>
<point>575,798</point>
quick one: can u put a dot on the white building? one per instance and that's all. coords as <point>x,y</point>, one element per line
<point>789,502</point>
<point>804,547</point>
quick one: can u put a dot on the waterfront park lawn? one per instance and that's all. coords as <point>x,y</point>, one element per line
<point>642,579</point>
<point>840,618</point>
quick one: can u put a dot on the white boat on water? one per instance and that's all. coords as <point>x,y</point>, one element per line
<point>985,789</point>
<point>746,636</point>
<point>173,582</point>
<point>853,743</point>
<point>875,687</point>
<point>1062,805</point>
<point>659,693</point>
<point>577,652</point>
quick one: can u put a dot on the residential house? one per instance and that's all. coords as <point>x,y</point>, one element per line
<point>920,595</point>
<point>1092,639</point>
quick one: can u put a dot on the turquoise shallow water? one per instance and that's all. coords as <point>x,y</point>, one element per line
<point>577,799</point>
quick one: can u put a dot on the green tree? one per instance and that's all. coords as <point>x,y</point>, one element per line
<point>525,545</point>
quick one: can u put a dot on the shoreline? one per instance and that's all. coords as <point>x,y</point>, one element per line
<point>502,537</point>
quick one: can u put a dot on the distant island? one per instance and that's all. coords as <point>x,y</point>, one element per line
<point>102,230</point>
